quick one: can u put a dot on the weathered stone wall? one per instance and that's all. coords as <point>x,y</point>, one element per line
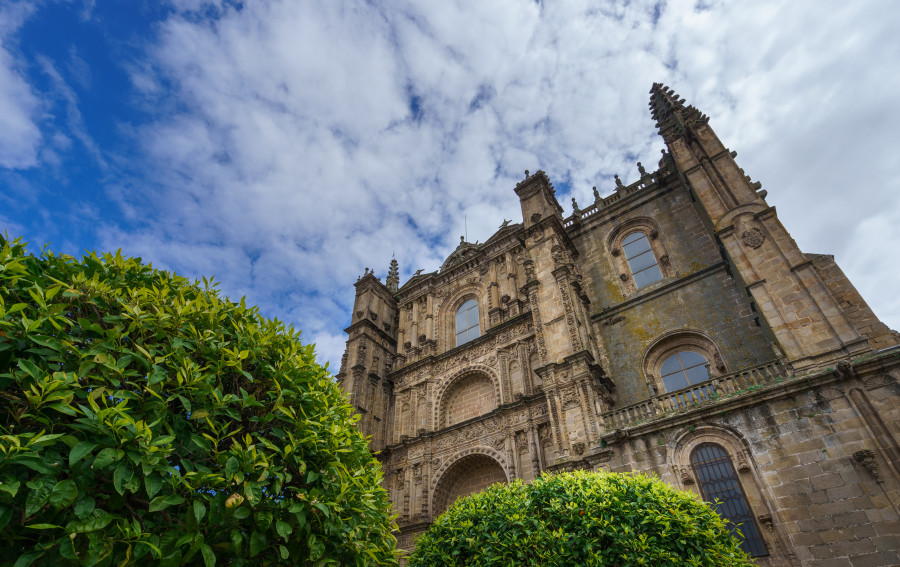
<point>816,458</point>
<point>701,296</point>
<point>851,302</point>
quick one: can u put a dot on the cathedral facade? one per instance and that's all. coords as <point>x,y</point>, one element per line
<point>672,328</point>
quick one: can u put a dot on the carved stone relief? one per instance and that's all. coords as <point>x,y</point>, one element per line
<point>753,237</point>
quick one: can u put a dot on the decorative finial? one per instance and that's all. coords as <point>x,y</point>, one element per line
<point>419,271</point>
<point>526,174</point>
<point>642,170</point>
<point>505,222</point>
<point>462,240</point>
<point>618,182</point>
<point>575,209</point>
<point>596,194</point>
<point>393,277</point>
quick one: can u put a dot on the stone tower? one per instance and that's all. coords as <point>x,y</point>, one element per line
<point>673,328</point>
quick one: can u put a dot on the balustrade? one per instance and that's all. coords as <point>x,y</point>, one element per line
<point>679,401</point>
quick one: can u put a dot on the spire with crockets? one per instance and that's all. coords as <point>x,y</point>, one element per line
<point>671,115</point>
<point>393,277</point>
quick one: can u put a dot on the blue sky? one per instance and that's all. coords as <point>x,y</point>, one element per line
<point>283,147</point>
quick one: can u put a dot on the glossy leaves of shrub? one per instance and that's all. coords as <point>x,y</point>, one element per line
<point>579,518</point>
<point>145,419</point>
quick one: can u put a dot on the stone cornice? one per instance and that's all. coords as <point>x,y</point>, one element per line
<point>369,324</point>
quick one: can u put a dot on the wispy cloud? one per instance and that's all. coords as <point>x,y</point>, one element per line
<point>285,146</point>
<point>20,107</point>
<point>74,120</point>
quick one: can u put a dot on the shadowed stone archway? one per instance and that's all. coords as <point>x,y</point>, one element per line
<point>469,474</point>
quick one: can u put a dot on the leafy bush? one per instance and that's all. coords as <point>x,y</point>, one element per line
<point>579,518</point>
<point>146,420</point>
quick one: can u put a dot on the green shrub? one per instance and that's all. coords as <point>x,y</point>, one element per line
<point>146,420</point>
<point>579,518</point>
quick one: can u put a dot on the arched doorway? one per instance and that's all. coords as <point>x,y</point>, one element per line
<point>469,474</point>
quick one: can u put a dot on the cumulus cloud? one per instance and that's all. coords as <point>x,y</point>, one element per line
<point>297,143</point>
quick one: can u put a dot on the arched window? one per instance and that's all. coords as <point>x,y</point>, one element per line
<point>675,365</point>
<point>683,370</point>
<point>467,322</point>
<point>719,484</point>
<point>644,267</point>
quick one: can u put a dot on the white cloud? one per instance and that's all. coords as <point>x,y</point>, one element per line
<point>74,121</point>
<point>20,136</point>
<point>298,157</point>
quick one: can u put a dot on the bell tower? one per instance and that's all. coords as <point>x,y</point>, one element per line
<point>371,347</point>
<point>804,315</point>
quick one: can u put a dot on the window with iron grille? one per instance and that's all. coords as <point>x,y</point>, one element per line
<point>720,485</point>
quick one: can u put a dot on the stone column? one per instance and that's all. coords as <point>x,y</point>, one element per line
<point>415,324</point>
<point>429,318</point>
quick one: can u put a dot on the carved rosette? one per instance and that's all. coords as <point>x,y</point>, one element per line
<point>753,237</point>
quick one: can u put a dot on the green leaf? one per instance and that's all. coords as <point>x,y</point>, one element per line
<point>79,451</point>
<point>163,502</point>
<point>27,559</point>
<point>163,440</point>
<point>241,513</point>
<point>104,458</point>
<point>199,414</point>
<point>84,506</point>
<point>63,494</point>
<point>62,408</point>
<point>96,520</point>
<point>257,543</point>
<point>199,510</point>
<point>122,475</point>
<point>10,486</point>
<point>208,556</point>
<point>283,528</point>
<point>5,514</point>
<point>34,463</point>
<point>252,492</point>
<point>285,554</point>
<point>43,526</point>
<point>29,368</point>
<point>201,442</point>
<point>38,495</point>
<point>231,467</point>
<point>152,482</point>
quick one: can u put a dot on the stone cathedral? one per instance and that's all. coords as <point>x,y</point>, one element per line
<point>672,328</point>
